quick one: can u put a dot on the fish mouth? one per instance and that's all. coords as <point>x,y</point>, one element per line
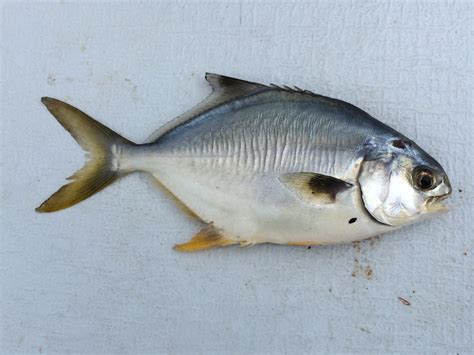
<point>436,203</point>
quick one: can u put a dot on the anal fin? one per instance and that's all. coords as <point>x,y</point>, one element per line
<point>206,238</point>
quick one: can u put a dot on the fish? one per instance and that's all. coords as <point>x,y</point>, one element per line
<point>262,163</point>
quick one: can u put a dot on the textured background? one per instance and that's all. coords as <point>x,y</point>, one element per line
<point>102,276</point>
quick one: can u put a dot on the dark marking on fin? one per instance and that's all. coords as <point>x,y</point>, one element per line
<point>323,184</point>
<point>208,237</point>
<point>315,187</point>
<point>233,87</point>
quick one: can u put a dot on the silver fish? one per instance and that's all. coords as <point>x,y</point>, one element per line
<point>267,164</point>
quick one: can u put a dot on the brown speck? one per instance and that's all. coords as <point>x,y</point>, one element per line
<point>368,272</point>
<point>404,301</point>
<point>356,267</point>
<point>465,253</point>
<point>352,220</point>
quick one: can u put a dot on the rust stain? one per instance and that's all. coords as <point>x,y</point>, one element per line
<point>368,272</point>
<point>361,269</point>
<point>356,267</point>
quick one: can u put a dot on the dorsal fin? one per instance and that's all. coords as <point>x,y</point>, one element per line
<point>224,89</point>
<point>229,88</point>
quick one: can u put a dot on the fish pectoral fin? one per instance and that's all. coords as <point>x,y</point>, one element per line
<point>208,237</point>
<point>313,187</point>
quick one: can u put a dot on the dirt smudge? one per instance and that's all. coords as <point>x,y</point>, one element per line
<point>368,272</point>
<point>362,269</point>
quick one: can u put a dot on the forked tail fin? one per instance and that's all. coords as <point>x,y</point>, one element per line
<point>103,147</point>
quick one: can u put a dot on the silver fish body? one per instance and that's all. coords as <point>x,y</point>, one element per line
<point>270,164</point>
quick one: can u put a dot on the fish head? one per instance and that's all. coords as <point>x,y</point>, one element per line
<point>401,183</point>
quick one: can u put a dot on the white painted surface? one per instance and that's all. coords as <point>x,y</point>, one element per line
<point>102,277</point>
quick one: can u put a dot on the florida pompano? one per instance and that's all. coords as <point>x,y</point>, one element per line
<point>267,164</point>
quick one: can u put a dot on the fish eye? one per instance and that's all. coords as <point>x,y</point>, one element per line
<point>424,178</point>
